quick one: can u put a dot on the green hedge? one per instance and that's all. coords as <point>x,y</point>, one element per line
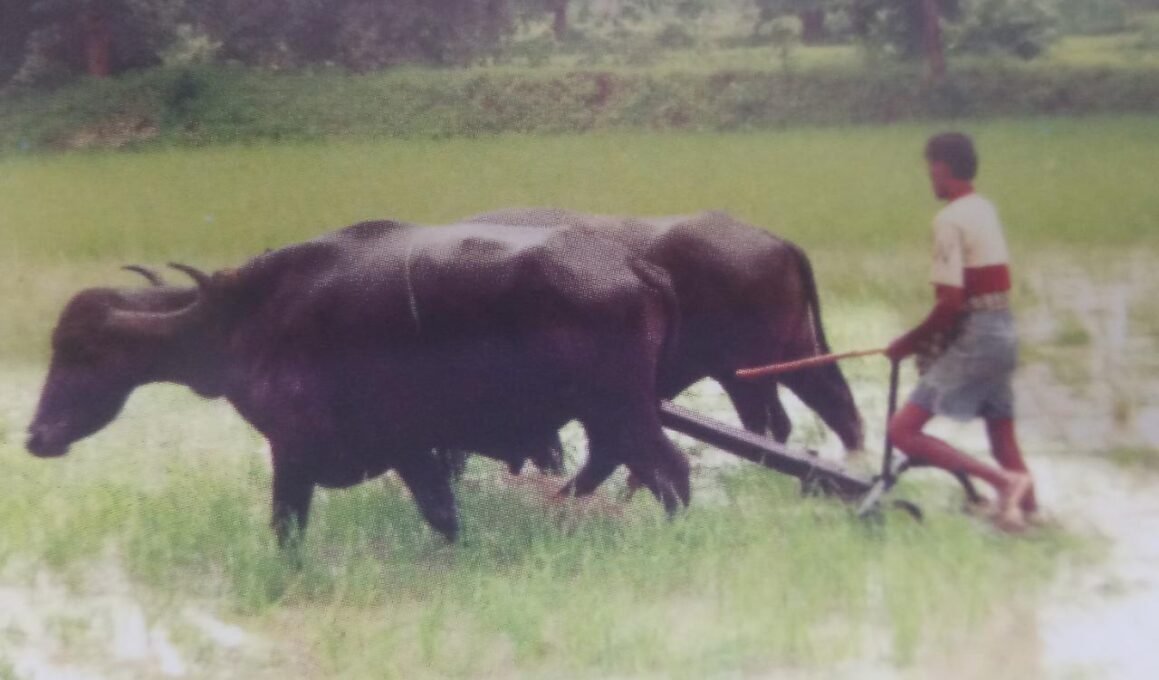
<point>212,106</point>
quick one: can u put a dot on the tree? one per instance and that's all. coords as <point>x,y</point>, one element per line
<point>913,29</point>
<point>932,40</point>
<point>558,9</point>
<point>559,18</point>
<point>1024,28</point>
<point>811,14</point>
<point>359,34</point>
<point>812,25</point>
<point>16,26</point>
<point>270,33</point>
<point>909,29</point>
<point>96,37</point>
<point>375,34</point>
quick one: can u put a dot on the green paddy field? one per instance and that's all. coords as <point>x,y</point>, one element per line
<point>162,517</point>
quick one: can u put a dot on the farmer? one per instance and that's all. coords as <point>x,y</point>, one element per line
<point>966,347</point>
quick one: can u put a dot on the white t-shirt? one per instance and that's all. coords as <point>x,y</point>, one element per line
<point>967,235</point>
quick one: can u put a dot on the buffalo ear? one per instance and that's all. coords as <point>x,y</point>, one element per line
<point>226,278</point>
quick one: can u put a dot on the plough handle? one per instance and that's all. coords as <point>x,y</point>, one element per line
<point>884,481</point>
<point>887,447</point>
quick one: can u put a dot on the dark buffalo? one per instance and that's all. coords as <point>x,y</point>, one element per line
<point>365,349</point>
<point>747,298</point>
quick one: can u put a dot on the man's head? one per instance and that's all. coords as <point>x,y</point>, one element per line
<point>953,163</point>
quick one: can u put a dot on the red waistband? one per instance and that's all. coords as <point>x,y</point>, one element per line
<point>993,278</point>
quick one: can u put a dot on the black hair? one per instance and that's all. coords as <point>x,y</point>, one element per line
<point>955,150</point>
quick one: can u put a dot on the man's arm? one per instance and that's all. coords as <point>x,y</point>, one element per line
<point>950,301</point>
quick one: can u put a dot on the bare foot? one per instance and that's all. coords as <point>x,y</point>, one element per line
<point>1030,503</point>
<point>1011,524</point>
<point>1010,498</point>
<point>1040,519</point>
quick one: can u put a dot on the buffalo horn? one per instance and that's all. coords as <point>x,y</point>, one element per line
<point>150,275</point>
<point>166,324</point>
<point>197,275</point>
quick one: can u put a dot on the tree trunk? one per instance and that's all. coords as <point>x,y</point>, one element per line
<point>812,26</point>
<point>98,43</point>
<point>559,19</point>
<point>932,40</point>
<point>860,14</point>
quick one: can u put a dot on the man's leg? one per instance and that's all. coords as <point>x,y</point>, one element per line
<point>1004,446</point>
<point>905,431</point>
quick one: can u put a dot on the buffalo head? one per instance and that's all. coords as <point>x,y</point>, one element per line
<point>106,343</point>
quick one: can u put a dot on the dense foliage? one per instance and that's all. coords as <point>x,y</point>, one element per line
<point>211,105</point>
<point>1021,27</point>
<point>50,41</point>
<point>46,39</point>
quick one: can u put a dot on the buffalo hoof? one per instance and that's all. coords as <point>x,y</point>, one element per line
<point>43,445</point>
<point>673,494</point>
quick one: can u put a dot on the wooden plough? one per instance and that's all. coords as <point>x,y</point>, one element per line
<point>815,473</point>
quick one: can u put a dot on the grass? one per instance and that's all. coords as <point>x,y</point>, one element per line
<point>1071,333</point>
<point>752,580</point>
<point>761,579</point>
<point>626,84</point>
<point>71,220</point>
<point>1138,458</point>
<point>1106,51</point>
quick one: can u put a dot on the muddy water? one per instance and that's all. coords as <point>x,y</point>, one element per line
<point>1105,622</point>
<point>1099,621</point>
<point>54,633</point>
<point>1099,393</point>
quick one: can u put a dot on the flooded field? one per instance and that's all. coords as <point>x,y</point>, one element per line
<point>146,553</point>
<point>1091,444</point>
<point>1088,398</point>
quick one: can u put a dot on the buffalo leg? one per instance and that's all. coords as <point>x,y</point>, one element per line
<point>453,460</point>
<point>642,446</point>
<point>293,490</point>
<point>779,421</point>
<point>590,477</point>
<point>430,486</point>
<point>748,398</point>
<point>825,391</point>
<point>757,404</point>
<point>675,466</point>
<point>550,459</point>
<point>545,452</point>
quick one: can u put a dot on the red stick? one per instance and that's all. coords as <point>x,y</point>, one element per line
<point>810,362</point>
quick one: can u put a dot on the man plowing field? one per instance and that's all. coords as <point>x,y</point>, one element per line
<point>967,346</point>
